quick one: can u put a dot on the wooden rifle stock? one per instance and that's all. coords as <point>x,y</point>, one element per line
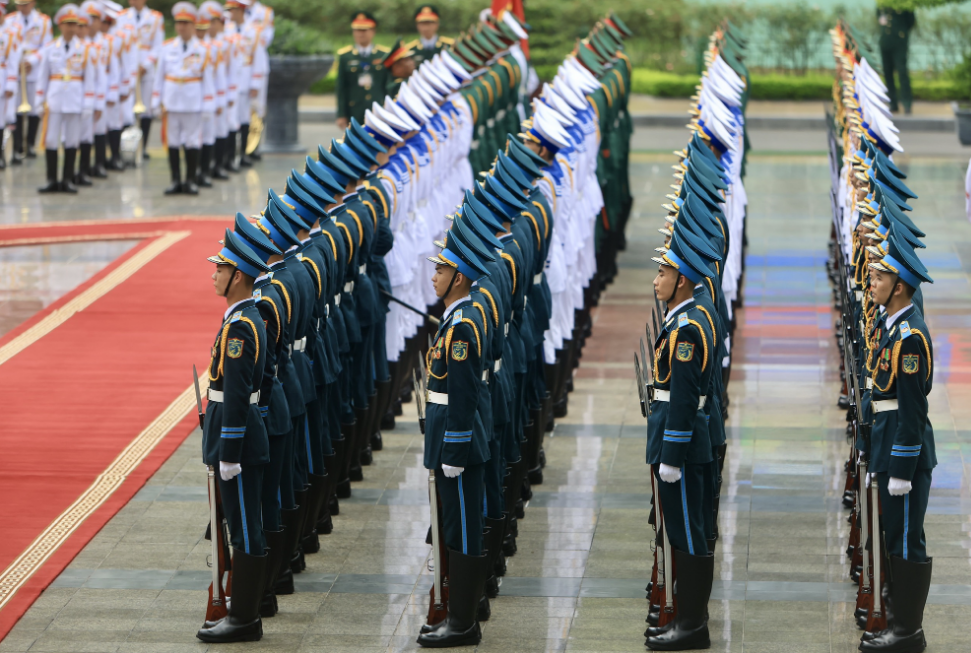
<point>216,608</point>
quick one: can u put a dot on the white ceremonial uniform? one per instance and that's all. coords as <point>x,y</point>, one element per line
<point>231,57</point>
<point>119,82</point>
<point>35,33</point>
<point>66,82</point>
<point>219,93</point>
<point>184,91</point>
<point>93,53</point>
<point>9,76</point>
<point>149,34</point>
<point>262,16</point>
<point>104,93</point>
<point>253,65</point>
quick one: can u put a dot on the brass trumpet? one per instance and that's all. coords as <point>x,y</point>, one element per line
<point>24,106</point>
<point>139,107</point>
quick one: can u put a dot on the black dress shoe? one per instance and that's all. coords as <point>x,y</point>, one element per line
<point>81,180</point>
<point>16,159</point>
<point>50,187</point>
<point>145,155</point>
<point>68,187</point>
<point>203,182</point>
<point>219,175</point>
<point>174,188</point>
<point>190,188</point>
<point>31,153</point>
<point>99,172</point>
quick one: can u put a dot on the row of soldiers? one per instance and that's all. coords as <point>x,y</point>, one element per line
<point>887,355</point>
<point>111,67</point>
<point>330,314</point>
<point>683,384</point>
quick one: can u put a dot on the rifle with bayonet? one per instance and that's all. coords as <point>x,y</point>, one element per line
<point>219,589</point>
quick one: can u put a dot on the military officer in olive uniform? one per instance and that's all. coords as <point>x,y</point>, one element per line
<point>902,454</point>
<point>235,439</point>
<point>456,441</point>
<point>428,43</point>
<point>360,71</point>
<point>895,26</point>
<point>678,445</point>
<point>400,64</point>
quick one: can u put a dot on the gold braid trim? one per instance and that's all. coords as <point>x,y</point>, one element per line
<point>485,318</point>
<point>320,283</point>
<point>566,164</point>
<point>374,212</point>
<point>222,348</point>
<point>893,368</point>
<point>380,195</point>
<point>495,312</point>
<point>383,175</point>
<point>333,245</point>
<point>286,296</point>
<point>546,220</point>
<point>512,263</point>
<point>710,321</point>
<point>704,341</point>
<point>279,327</point>
<point>256,337</point>
<point>448,338</point>
<point>657,358</point>
<point>360,227</point>
<point>711,287</point>
<point>539,239</point>
<point>428,363</point>
<point>350,241</point>
<point>927,349</point>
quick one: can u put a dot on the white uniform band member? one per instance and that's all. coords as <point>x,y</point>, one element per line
<point>34,33</point>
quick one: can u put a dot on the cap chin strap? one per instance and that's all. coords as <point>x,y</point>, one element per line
<point>450,283</point>
<point>225,292</point>
<point>675,291</point>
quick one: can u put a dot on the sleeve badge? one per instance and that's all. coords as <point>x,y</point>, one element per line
<point>234,348</point>
<point>910,363</point>
<point>460,350</point>
<point>685,351</point>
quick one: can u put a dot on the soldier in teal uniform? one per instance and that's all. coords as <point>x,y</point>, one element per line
<point>678,441</point>
<point>235,440</point>
<point>274,406</point>
<point>428,43</point>
<point>360,71</point>
<point>902,454</point>
<point>456,441</point>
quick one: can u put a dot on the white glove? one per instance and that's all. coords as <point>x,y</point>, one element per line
<point>451,472</point>
<point>229,471</point>
<point>669,474</point>
<point>897,487</point>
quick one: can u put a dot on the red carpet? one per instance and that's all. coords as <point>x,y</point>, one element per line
<point>96,391</point>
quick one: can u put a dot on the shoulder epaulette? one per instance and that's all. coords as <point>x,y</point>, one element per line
<point>382,48</point>
<point>682,320</point>
<point>904,330</point>
<point>414,45</point>
<point>345,49</point>
<point>446,40</point>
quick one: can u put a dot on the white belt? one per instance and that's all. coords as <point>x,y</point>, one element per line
<point>869,383</point>
<point>538,279</point>
<point>490,123</point>
<point>497,366</point>
<point>884,406</point>
<point>300,345</point>
<point>485,375</point>
<point>500,114</point>
<point>216,396</point>
<point>327,310</point>
<point>665,395</point>
<point>507,328</point>
<point>349,287</point>
<point>362,269</point>
<point>859,295</point>
<point>439,398</point>
<point>337,300</point>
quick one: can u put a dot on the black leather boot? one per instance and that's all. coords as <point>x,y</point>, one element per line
<point>243,623</point>
<point>381,408</point>
<point>297,562</point>
<point>344,482</point>
<point>70,158</point>
<point>99,171</point>
<point>205,162</point>
<point>189,187</point>
<point>83,176</point>
<point>291,532</point>
<point>492,539</point>
<point>356,473</point>
<point>693,587</point>
<point>218,158</point>
<point>146,125</point>
<point>17,156</point>
<point>114,143</point>
<point>276,541</point>
<point>52,186</point>
<point>908,592</point>
<point>466,576</point>
<point>244,159</point>
<point>175,167</point>
<point>33,124</point>
<point>315,498</point>
<point>229,164</point>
